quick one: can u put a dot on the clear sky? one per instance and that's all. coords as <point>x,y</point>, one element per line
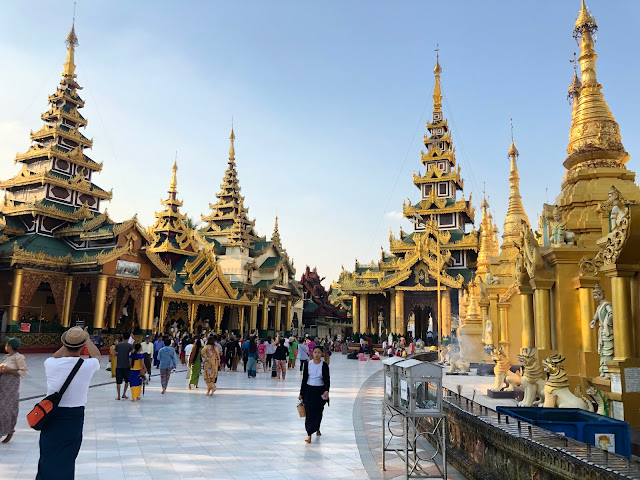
<point>329,101</point>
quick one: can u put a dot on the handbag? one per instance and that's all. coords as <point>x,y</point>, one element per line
<point>302,411</point>
<point>45,408</point>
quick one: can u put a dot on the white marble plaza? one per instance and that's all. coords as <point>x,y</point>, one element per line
<point>249,429</point>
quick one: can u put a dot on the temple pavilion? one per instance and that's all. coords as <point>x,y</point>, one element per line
<point>418,284</point>
<point>63,261</point>
<point>226,277</point>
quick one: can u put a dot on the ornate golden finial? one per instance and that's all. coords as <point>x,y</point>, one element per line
<point>174,176</point>
<point>232,151</point>
<point>437,93</point>
<point>595,135</point>
<point>513,151</point>
<point>72,43</point>
<point>575,86</point>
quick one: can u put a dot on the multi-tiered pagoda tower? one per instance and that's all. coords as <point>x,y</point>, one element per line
<point>417,285</point>
<point>54,241</point>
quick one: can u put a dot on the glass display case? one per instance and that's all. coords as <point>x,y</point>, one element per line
<point>419,388</point>
<point>391,380</point>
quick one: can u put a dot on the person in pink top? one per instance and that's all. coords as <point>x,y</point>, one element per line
<point>311,344</point>
<point>262,352</point>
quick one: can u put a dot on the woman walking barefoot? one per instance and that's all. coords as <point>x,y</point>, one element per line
<point>280,357</point>
<point>211,359</point>
<point>314,391</point>
<point>252,358</point>
<point>195,363</point>
<point>12,369</point>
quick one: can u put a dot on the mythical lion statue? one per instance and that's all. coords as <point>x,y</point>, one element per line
<point>457,362</point>
<point>502,371</point>
<point>532,378</point>
<point>557,393</point>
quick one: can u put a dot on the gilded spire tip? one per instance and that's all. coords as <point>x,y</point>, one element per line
<point>232,150</point>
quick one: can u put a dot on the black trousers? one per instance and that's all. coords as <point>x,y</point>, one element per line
<point>314,406</point>
<point>147,363</point>
<point>302,364</point>
<point>269,359</point>
<point>60,442</point>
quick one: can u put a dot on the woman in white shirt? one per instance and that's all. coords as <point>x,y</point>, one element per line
<point>314,392</point>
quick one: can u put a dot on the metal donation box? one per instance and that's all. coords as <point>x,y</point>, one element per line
<point>419,388</point>
<point>390,366</point>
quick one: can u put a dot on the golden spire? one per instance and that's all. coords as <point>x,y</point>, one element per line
<point>437,93</point>
<point>72,43</point>
<point>232,151</point>
<point>275,238</point>
<point>486,239</point>
<point>515,212</point>
<point>595,135</point>
<point>174,176</point>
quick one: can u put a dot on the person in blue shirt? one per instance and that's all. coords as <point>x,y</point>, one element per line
<point>158,344</point>
<point>167,361</point>
<point>245,353</point>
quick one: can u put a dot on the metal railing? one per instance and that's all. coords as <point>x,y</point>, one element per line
<point>583,452</point>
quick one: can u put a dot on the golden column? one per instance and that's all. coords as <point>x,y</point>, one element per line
<point>241,319</point>
<point>144,315</point>
<point>288,314</point>
<point>16,288</point>
<point>98,308</point>
<point>623,341</point>
<point>265,313</point>
<point>364,314</point>
<point>528,321</point>
<point>192,309</point>
<point>112,315</point>
<point>219,316</point>
<point>253,322</point>
<point>542,312</point>
<point>585,285</point>
<point>66,304</point>
<point>355,314</point>
<point>503,316</point>
<point>278,308</point>
<point>484,311</point>
<point>152,307</point>
<point>400,323</point>
<point>392,311</point>
<point>445,305</point>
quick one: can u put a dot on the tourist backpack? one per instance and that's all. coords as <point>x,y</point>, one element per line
<point>45,408</point>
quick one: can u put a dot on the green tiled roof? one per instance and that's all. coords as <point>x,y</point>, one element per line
<point>54,247</point>
<point>263,283</point>
<point>310,306</point>
<point>270,262</point>
<point>258,246</point>
<point>409,239</point>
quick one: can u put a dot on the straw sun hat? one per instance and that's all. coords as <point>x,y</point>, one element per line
<point>74,337</point>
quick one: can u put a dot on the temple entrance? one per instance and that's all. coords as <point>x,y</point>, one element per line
<point>420,308</point>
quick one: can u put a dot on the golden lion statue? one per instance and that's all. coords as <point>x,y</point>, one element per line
<point>502,371</point>
<point>532,378</point>
<point>557,393</point>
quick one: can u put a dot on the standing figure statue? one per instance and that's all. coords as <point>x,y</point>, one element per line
<point>618,209</point>
<point>559,235</point>
<point>488,331</point>
<point>604,316</point>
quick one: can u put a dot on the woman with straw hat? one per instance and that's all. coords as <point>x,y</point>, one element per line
<point>12,369</point>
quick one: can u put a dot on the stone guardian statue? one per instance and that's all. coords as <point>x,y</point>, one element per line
<point>559,235</point>
<point>604,317</point>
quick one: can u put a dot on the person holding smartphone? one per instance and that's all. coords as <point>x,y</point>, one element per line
<point>314,391</point>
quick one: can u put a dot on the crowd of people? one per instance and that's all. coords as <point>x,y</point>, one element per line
<point>131,364</point>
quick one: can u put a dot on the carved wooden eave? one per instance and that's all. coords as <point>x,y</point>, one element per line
<point>9,207</point>
<point>75,156</point>
<point>87,226</point>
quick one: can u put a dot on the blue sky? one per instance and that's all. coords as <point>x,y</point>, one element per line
<point>329,101</point>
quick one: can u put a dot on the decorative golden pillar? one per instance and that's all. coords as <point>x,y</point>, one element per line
<point>241,319</point>
<point>503,316</point>
<point>542,312</point>
<point>623,341</point>
<point>253,322</point>
<point>265,313</point>
<point>98,308</point>
<point>164,304</point>
<point>392,311</point>
<point>144,311</point>
<point>400,323</point>
<point>192,309</point>
<point>585,285</point>
<point>219,315</point>
<point>66,304</point>
<point>112,315</point>
<point>364,314</point>
<point>16,288</point>
<point>288,314</point>
<point>152,307</point>
<point>484,311</point>
<point>278,308</point>
<point>528,321</point>
<point>445,305</point>
<point>355,314</point>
